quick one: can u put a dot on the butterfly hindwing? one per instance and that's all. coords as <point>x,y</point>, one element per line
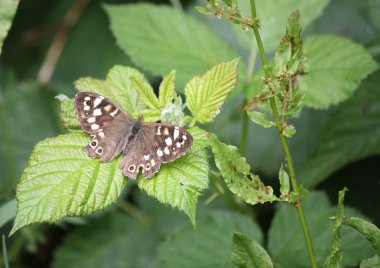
<point>113,130</point>
<point>106,122</point>
<point>157,143</point>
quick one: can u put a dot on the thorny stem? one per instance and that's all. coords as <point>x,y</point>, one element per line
<point>288,155</point>
<point>50,62</point>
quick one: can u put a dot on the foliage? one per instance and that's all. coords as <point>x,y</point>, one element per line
<point>183,65</point>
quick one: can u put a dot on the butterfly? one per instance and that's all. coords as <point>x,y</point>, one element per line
<point>113,130</point>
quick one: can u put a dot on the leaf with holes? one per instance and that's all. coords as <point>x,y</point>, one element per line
<point>236,173</point>
<point>61,180</point>
<point>206,95</point>
<point>181,182</point>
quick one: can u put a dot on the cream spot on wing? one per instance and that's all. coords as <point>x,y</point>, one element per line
<point>86,108</point>
<point>114,112</point>
<point>87,98</point>
<point>158,130</point>
<point>159,152</point>
<point>166,150</point>
<point>178,145</point>
<point>168,141</point>
<point>94,126</point>
<point>153,162</point>
<point>97,101</point>
<point>166,131</point>
<point>176,132</point>
<point>184,137</point>
<point>91,120</point>
<point>101,134</point>
<point>108,108</point>
<point>146,157</point>
<point>97,112</point>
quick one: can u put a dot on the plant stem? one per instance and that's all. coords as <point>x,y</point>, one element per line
<point>288,155</point>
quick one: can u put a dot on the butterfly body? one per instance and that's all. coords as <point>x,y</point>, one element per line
<point>115,131</point>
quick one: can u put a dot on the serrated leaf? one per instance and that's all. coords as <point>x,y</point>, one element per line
<point>167,92</point>
<point>236,173</point>
<point>146,92</point>
<point>335,257</point>
<point>247,252</point>
<point>337,66</point>
<point>68,117</point>
<point>117,86</point>
<point>7,11</point>
<point>260,119</point>
<point>209,245</point>
<point>343,141</point>
<point>284,182</point>
<point>273,15</point>
<point>7,212</point>
<point>373,262</point>
<point>177,42</point>
<point>61,180</point>
<point>206,95</point>
<point>181,182</point>
<point>368,230</point>
<point>108,242</point>
<point>287,244</point>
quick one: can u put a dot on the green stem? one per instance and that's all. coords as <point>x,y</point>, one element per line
<point>288,155</point>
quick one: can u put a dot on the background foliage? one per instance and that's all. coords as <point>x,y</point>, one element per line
<point>336,145</point>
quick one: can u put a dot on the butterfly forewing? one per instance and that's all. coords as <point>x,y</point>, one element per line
<point>106,122</point>
<point>113,131</point>
<point>156,144</point>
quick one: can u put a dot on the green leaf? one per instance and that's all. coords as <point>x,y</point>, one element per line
<point>343,141</point>
<point>7,212</point>
<point>236,173</point>
<point>335,257</point>
<point>61,180</point>
<point>68,116</point>
<point>181,182</point>
<point>114,240</point>
<point>374,12</point>
<point>368,230</point>
<point>117,86</point>
<point>337,66</point>
<point>5,254</point>
<point>260,119</point>
<point>177,42</point>
<point>273,15</point>
<point>206,95</point>
<point>204,10</point>
<point>7,11</point>
<point>247,252</point>
<point>287,244</point>
<point>284,182</point>
<point>146,92</point>
<point>373,262</point>
<point>209,245</point>
<point>167,92</point>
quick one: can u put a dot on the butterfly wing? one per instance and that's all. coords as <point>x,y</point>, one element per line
<point>155,144</point>
<point>108,124</point>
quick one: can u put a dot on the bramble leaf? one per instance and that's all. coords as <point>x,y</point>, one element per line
<point>337,66</point>
<point>205,95</point>
<point>335,257</point>
<point>236,173</point>
<point>181,182</point>
<point>179,40</point>
<point>247,252</point>
<point>287,244</point>
<point>167,92</point>
<point>7,11</point>
<point>343,141</point>
<point>61,180</point>
<point>210,245</point>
